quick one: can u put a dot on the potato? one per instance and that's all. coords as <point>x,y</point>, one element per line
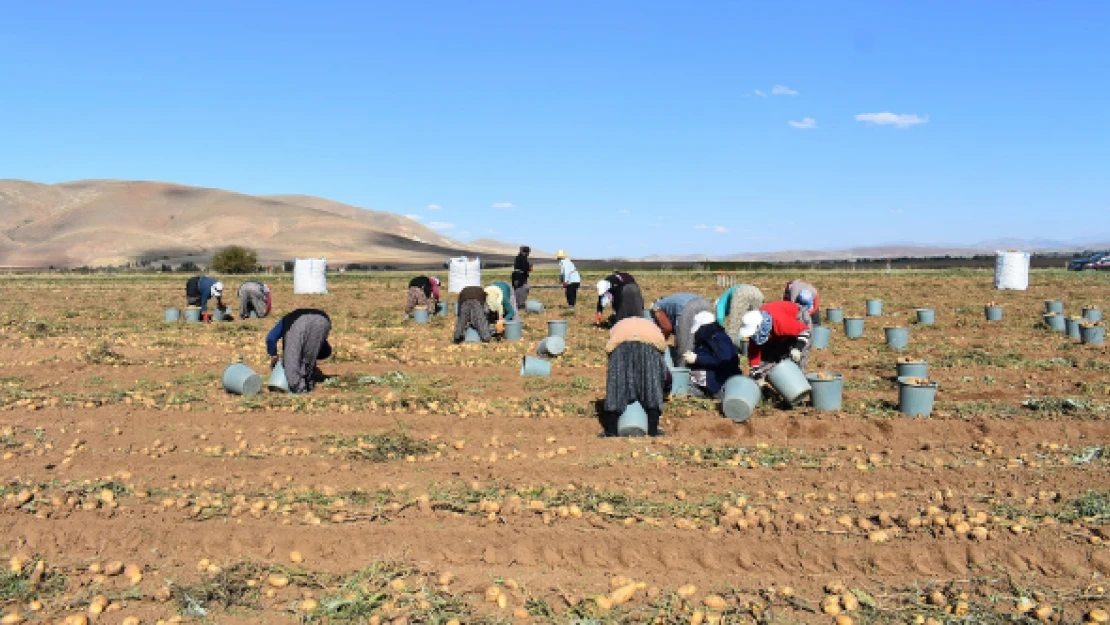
<point>277,581</point>
<point>715,602</point>
<point>687,591</point>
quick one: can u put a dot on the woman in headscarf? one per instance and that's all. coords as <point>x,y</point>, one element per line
<point>732,305</point>
<point>569,276</point>
<point>805,296</point>
<point>200,289</point>
<point>473,313</point>
<point>254,297</point>
<point>636,373</point>
<point>508,307</point>
<point>775,334</point>
<point>304,337</point>
<point>522,267</point>
<point>620,289</point>
<point>714,358</point>
<point>423,291</point>
<point>674,314</point>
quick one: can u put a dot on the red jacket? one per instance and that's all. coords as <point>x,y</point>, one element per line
<point>785,327</point>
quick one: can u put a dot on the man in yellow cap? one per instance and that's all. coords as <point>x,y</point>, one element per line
<point>568,275</point>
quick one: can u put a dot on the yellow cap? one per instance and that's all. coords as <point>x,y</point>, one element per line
<point>560,254</point>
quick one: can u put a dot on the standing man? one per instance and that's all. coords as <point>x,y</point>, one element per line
<point>569,276</point>
<point>522,267</point>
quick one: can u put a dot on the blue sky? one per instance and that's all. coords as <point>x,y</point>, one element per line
<point>606,128</point>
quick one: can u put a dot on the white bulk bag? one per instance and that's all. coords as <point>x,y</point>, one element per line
<point>1011,271</point>
<point>310,276</point>
<point>462,273</point>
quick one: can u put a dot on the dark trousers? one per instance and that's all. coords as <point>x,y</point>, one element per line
<point>609,422</point>
<point>572,293</point>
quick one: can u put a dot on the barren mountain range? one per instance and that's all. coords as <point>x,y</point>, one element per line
<point>112,222</point>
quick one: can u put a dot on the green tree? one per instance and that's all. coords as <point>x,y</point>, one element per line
<point>235,259</point>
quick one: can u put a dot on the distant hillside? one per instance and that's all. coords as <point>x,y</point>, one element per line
<point>111,222</point>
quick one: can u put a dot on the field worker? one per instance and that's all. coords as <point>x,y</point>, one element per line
<point>732,305</point>
<point>200,289</point>
<point>805,296</point>
<point>714,358</point>
<point>675,314</point>
<point>304,337</point>
<point>423,291</point>
<point>254,297</point>
<point>636,373</point>
<point>775,334</point>
<point>620,289</point>
<point>473,313</point>
<point>508,308</point>
<point>522,268</point>
<point>568,275</point>
<point>495,304</point>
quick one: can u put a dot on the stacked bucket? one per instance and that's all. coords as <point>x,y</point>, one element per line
<point>553,345</point>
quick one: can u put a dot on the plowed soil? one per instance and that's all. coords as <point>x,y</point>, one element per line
<point>425,482</point>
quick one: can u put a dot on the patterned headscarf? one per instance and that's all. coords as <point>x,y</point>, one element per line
<point>764,332</point>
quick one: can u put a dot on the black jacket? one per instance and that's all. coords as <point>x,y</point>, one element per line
<point>521,269</point>
<point>422,282</point>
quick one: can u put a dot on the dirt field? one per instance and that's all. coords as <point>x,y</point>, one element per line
<point>428,482</point>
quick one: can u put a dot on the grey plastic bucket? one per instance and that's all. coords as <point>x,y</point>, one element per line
<point>926,316</point>
<point>441,309</point>
<point>557,327</point>
<point>1090,313</point>
<point>471,335</point>
<point>277,381</point>
<point>1054,306</point>
<point>993,313</point>
<point>789,381</point>
<point>820,337</point>
<point>680,381</point>
<point>421,315</point>
<point>828,392</point>
<point>533,306</point>
<point>897,337</point>
<point>834,315</point>
<point>514,330</point>
<point>740,397</point>
<point>853,327</point>
<point>1092,333</point>
<point>253,314</point>
<point>173,314</point>
<point>1071,325</point>
<point>241,380</point>
<point>916,400</point>
<point>913,369</point>
<point>552,346</point>
<point>667,358</point>
<point>633,421</point>
<point>220,314</point>
<point>874,307</point>
<point>535,366</point>
<point>192,314</point>
<point>1055,322</point>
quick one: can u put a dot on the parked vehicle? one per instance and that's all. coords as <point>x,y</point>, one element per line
<point>1099,261</point>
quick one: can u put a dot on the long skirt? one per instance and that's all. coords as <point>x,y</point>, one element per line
<point>301,348</point>
<point>473,314</point>
<point>252,297</point>
<point>637,373</point>
<point>745,298</point>
<point>416,298</point>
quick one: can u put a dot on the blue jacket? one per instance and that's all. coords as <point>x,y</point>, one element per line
<point>717,356</point>
<point>672,305</point>
<point>205,285</point>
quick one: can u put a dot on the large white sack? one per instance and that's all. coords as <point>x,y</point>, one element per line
<point>310,276</point>
<point>1011,271</point>
<point>462,273</point>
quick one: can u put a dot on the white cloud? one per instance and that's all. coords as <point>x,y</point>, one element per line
<point>441,225</point>
<point>806,123</point>
<point>503,205</point>
<point>760,93</point>
<point>896,211</point>
<point>720,229</point>
<point>434,207</point>
<point>701,227</point>
<point>413,217</point>
<point>891,119</point>
<point>782,90</point>
<point>625,211</point>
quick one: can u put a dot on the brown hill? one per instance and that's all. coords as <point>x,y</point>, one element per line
<point>110,222</point>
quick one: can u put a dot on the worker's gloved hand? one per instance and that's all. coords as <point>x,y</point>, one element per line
<point>597,321</point>
<point>690,358</point>
<point>796,355</point>
<point>273,361</point>
<point>500,325</point>
<point>564,285</point>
